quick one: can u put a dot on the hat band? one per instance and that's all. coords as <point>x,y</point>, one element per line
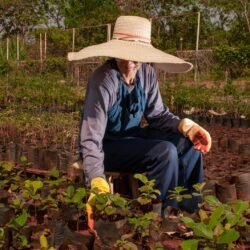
<point>130,37</point>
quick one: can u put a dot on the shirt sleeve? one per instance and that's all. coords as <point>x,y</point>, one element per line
<point>156,112</point>
<point>93,127</point>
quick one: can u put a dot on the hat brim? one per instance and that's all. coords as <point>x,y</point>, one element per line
<point>134,51</point>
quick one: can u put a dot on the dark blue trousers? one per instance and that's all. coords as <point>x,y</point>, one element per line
<point>169,158</point>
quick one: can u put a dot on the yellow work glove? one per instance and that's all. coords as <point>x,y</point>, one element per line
<point>198,136</point>
<point>103,187</point>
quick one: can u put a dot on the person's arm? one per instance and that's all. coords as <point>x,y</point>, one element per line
<point>157,113</point>
<point>159,116</point>
<point>93,127</point>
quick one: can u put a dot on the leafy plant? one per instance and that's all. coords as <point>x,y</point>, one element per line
<point>178,195</point>
<point>147,191</point>
<point>10,179</point>
<point>110,206</point>
<point>75,198</point>
<point>141,225</point>
<point>218,229</point>
<point>32,194</point>
<point>44,243</point>
<point>1,237</point>
<point>52,192</point>
<point>17,224</point>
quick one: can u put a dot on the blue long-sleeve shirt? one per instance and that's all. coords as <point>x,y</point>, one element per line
<point>100,97</point>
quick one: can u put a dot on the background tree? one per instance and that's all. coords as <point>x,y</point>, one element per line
<point>19,17</point>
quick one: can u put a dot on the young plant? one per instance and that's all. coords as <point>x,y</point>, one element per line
<point>52,190</point>
<point>1,237</point>
<point>143,224</point>
<point>110,206</point>
<point>147,191</point>
<point>124,243</point>
<point>44,245</point>
<point>17,224</point>
<point>218,229</point>
<point>10,179</point>
<point>32,194</point>
<point>178,195</point>
<point>75,198</point>
<point>200,192</point>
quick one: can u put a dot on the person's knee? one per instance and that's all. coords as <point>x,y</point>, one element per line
<point>167,151</point>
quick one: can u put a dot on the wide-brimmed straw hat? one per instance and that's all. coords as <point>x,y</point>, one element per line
<point>131,40</point>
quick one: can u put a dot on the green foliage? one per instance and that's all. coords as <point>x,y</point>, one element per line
<point>55,65</point>
<point>141,225</point>
<point>219,228</point>
<point>1,237</point>
<point>17,224</point>
<point>147,191</point>
<point>178,195</point>
<point>109,206</point>
<point>44,243</point>
<point>125,244</point>
<point>4,67</point>
<point>234,60</point>
<point>9,179</point>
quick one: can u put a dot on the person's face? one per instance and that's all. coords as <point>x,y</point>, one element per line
<point>127,67</point>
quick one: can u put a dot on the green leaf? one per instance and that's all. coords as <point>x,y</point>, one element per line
<point>22,219</point>
<point>119,201</point>
<point>212,201</point>
<point>100,207</point>
<point>189,245</point>
<point>7,166</point>
<point>232,219</point>
<point>241,206</point>
<point>143,201</point>
<point>203,214</point>
<point>203,230</point>
<point>37,185</point>
<point>228,237</point>
<point>109,210</point>
<point>188,221</point>
<point>141,177</point>
<point>196,194</point>
<point>54,173</point>
<point>79,195</point>
<point>101,198</point>
<point>43,242</point>
<point>1,233</point>
<point>24,240</point>
<point>199,186</point>
<point>70,191</point>
<point>216,217</point>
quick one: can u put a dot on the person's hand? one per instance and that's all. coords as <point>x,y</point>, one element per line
<point>198,136</point>
<point>103,187</point>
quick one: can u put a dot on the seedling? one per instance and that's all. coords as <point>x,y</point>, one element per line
<point>142,224</point>
<point>31,193</point>
<point>109,206</point>
<point>44,243</point>
<point>75,198</point>
<point>17,224</point>
<point>178,195</point>
<point>9,178</point>
<point>147,191</point>
<point>218,229</point>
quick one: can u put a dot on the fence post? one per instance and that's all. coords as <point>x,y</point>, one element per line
<point>197,48</point>
<point>7,48</point>
<point>73,39</point>
<point>17,48</point>
<point>108,32</point>
<point>41,47</point>
<point>45,45</point>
